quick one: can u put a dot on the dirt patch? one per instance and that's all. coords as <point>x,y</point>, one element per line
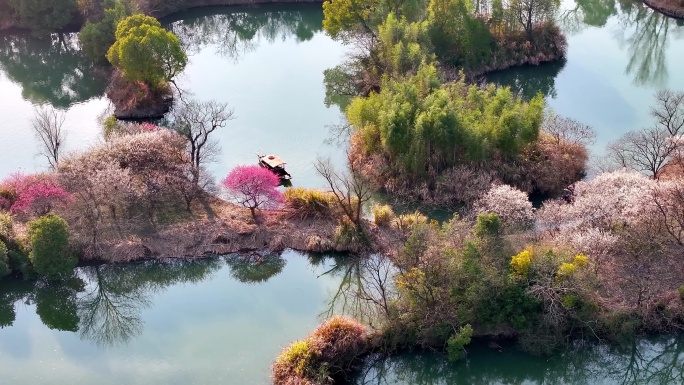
<point>222,228</point>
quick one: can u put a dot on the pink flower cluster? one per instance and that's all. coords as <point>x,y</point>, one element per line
<point>253,187</point>
<point>35,194</point>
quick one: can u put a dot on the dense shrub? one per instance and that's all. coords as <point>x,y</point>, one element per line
<point>310,203</point>
<point>95,38</point>
<point>407,222</point>
<point>49,242</point>
<point>424,128</point>
<point>6,227</point>
<point>4,260</point>
<point>383,215</point>
<point>330,351</point>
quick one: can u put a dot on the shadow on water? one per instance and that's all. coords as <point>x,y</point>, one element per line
<point>103,303</point>
<point>52,69</point>
<point>527,81</point>
<point>657,361</point>
<point>642,32</point>
<point>255,267</point>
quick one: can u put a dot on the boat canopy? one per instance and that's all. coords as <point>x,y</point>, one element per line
<point>272,160</point>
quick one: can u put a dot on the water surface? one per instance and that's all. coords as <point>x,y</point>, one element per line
<point>212,321</point>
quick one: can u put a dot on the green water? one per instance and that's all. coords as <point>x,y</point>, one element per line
<point>213,321</point>
<point>652,361</point>
<point>217,321</point>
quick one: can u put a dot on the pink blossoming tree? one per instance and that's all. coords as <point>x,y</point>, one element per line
<point>253,187</point>
<point>35,194</point>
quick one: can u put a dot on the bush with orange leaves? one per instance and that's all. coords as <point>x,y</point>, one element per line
<point>328,353</point>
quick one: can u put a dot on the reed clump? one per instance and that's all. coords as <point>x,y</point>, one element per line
<point>329,352</point>
<point>309,203</point>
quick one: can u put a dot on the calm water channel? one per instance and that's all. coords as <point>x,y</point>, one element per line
<point>223,320</point>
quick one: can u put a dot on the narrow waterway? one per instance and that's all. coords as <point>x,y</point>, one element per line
<point>223,320</point>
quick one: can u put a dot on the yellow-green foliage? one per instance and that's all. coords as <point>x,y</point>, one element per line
<point>331,348</point>
<point>520,263</point>
<point>295,360</point>
<point>425,127</point>
<point>407,222</point>
<point>411,280</point>
<point>580,260</point>
<point>566,270</point>
<point>383,215</point>
<point>457,342</point>
<point>346,233</point>
<point>6,232</point>
<point>4,261</point>
<point>681,293</point>
<point>309,202</point>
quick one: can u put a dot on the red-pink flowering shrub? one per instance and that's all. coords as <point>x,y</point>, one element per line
<point>35,194</point>
<point>253,187</point>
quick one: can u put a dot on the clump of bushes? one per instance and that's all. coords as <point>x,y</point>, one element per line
<point>681,292</point>
<point>329,352</point>
<point>383,215</point>
<point>4,261</point>
<point>49,242</point>
<point>309,203</point>
<point>406,222</point>
<point>347,233</point>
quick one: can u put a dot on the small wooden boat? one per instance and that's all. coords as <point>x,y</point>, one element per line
<point>275,164</point>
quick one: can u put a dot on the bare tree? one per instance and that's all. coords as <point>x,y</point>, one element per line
<point>646,150</point>
<point>47,125</point>
<point>669,111</point>
<point>196,121</point>
<point>650,149</point>
<point>567,130</point>
<point>350,189</point>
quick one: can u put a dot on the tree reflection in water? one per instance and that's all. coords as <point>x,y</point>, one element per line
<point>645,361</point>
<point>645,34</point>
<point>56,304</point>
<point>527,81</point>
<point>104,302</point>
<point>51,70</point>
<point>366,288</point>
<point>235,31</point>
<point>255,267</point>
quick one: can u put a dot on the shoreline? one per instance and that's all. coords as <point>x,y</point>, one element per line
<point>667,8</point>
<point>227,228</point>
